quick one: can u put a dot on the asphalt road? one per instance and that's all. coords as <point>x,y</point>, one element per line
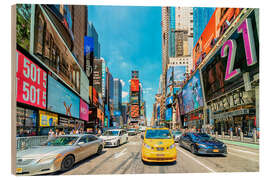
<point>126,159</point>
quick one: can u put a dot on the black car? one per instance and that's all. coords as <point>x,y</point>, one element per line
<point>202,143</point>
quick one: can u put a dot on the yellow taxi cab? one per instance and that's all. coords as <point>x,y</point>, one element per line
<point>158,145</point>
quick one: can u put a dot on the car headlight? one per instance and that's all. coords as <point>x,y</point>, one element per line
<point>171,146</point>
<point>49,158</point>
<point>201,145</point>
<point>224,145</point>
<point>147,146</point>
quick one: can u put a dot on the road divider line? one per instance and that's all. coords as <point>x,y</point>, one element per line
<point>196,160</point>
<point>117,155</point>
<point>244,151</point>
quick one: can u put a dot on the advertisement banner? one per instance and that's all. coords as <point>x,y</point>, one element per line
<point>84,108</point>
<point>134,111</point>
<point>53,52</point>
<point>179,74</point>
<point>47,119</point>
<point>224,73</point>
<point>169,76</point>
<point>192,94</point>
<point>62,100</point>
<point>169,100</point>
<point>97,76</point>
<point>117,113</point>
<point>95,96</point>
<point>134,85</point>
<point>217,25</point>
<point>31,82</point>
<point>134,99</point>
<point>103,79</point>
<point>84,91</point>
<point>158,112</point>
<point>168,115</point>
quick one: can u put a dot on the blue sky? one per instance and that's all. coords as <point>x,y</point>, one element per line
<point>130,39</point>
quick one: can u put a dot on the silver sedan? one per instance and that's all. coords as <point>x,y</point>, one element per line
<point>56,154</point>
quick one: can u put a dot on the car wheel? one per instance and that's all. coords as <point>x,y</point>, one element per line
<point>127,140</point>
<point>180,143</point>
<point>67,163</point>
<point>118,143</point>
<point>100,148</point>
<point>192,149</point>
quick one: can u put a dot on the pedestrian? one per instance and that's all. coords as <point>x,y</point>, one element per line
<point>51,133</point>
<point>21,133</point>
<point>99,132</point>
<point>239,130</point>
<point>57,133</point>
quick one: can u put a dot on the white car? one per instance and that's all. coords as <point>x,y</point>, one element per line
<point>114,137</point>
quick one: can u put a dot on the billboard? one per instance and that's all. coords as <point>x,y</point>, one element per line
<point>158,112</point>
<point>97,76</point>
<point>215,28</point>
<point>224,73</point>
<point>84,108</point>
<point>168,114</point>
<point>134,74</point>
<point>169,100</point>
<point>103,79</point>
<point>47,119</point>
<point>134,99</point>
<point>134,85</point>
<point>134,111</point>
<point>169,76</point>
<point>23,22</point>
<point>31,82</point>
<point>53,52</point>
<point>89,58</point>
<point>62,100</point>
<point>179,74</point>
<point>192,94</point>
<point>84,90</point>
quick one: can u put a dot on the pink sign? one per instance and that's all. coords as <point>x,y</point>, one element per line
<point>31,82</point>
<point>83,110</point>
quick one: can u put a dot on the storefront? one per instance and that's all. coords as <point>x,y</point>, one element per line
<point>26,122</point>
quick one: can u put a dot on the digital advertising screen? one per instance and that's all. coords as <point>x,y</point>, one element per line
<point>84,108</point>
<point>62,100</point>
<point>168,115</point>
<point>47,119</point>
<point>134,85</point>
<point>31,82</point>
<point>192,94</point>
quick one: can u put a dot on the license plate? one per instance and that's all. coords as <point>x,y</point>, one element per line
<point>215,150</point>
<point>160,155</point>
<point>18,170</point>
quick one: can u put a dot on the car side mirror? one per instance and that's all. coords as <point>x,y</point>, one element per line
<point>142,136</point>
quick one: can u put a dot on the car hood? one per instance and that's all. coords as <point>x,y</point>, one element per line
<point>159,142</point>
<point>108,137</point>
<point>38,152</point>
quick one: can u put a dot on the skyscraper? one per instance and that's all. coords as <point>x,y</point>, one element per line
<point>117,100</point>
<point>91,32</point>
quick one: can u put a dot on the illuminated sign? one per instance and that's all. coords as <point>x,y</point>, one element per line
<point>31,82</point>
<point>134,85</point>
<point>84,110</point>
<point>47,119</point>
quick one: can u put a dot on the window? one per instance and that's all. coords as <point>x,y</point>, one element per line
<point>84,139</point>
<point>91,138</point>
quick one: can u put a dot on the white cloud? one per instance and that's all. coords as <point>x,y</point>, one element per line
<point>124,94</point>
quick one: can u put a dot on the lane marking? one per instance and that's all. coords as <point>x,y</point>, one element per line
<point>244,151</point>
<point>122,164</point>
<point>117,155</point>
<point>196,160</point>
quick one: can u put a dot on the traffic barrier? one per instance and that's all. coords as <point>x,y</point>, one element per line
<point>23,143</point>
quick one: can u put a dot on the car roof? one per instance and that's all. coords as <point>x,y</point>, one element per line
<point>114,129</point>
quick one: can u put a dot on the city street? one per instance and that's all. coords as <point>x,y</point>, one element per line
<point>126,159</point>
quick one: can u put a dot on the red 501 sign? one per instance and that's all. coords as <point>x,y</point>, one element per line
<point>31,82</point>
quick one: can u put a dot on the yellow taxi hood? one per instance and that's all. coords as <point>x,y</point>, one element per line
<point>159,142</point>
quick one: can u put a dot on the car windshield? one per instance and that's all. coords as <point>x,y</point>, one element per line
<point>177,132</point>
<point>158,134</point>
<point>110,133</point>
<point>61,141</point>
<point>202,137</point>
<point>132,130</point>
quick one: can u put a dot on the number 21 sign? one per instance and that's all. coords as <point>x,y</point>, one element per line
<point>31,82</point>
<point>230,46</point>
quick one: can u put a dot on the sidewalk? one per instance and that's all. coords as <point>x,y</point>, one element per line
<point>247,142</point>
